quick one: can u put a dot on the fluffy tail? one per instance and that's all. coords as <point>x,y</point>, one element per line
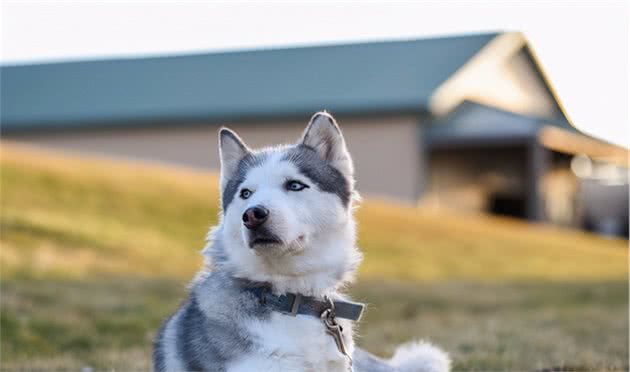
<point>420,356</point>
<point>412,357</point>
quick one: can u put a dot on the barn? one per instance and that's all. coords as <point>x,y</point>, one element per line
<point>464,122</point>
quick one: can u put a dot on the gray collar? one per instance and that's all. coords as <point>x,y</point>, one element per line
<point>293,304</point>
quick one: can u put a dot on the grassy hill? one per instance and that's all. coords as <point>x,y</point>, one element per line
<point>96,252</point>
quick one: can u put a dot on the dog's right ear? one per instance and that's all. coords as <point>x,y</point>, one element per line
<point>231,151</point>
<point>323,135</point>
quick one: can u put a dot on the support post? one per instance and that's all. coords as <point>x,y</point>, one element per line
<point>537,165</point>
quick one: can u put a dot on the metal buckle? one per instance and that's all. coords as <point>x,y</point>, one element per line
<point>295,306</point>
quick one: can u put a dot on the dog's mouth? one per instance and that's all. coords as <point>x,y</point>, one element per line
<point>262,237</point>
<point>264,241</point>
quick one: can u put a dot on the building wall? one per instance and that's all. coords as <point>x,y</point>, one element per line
<point>471,179</point>
<point>385,150</point>
<point>604,206</point>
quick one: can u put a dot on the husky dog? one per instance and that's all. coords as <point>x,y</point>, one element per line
<point>269,297</point>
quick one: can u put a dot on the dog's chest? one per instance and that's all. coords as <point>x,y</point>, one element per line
<point>288,343</point>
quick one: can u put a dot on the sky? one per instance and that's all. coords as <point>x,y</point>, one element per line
<point>584,46</point>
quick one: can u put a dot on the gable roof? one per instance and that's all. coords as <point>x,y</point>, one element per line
<point>475,124</point>
<point>352,78</point>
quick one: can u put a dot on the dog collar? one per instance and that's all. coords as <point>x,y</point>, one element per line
<point>293,304</point>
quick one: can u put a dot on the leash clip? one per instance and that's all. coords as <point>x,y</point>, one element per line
<point>334,329</point>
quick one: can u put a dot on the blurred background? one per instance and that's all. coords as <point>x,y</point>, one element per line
<point>493,164</point>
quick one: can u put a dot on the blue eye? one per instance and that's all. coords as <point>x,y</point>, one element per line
<point>294,185</point>
<point>245,193</point>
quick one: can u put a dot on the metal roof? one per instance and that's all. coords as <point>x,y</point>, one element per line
<point>472,123</point>
<point>352,78</point>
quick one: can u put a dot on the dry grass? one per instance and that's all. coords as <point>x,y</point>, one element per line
<point>95,253</point>
<point>114,217</point>
<point>108,322</point>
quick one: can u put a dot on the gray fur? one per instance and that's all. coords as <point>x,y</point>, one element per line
<point>226,134</point>
<point>216,251</point>
<point>308,162</point>
<point>318,170</point>
<point>158,351</point>
<point>208,324</point>
<point>195,346</point>
<point>208,328</point>
<point>250,161</point>
<point>326,139</point>
<point>313,157</point>
<point>208,332</point>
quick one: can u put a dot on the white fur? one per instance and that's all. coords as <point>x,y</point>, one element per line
<point>293,344</point>
<point>420,357</point>
<point>317,256</point>
<point>319,252</point>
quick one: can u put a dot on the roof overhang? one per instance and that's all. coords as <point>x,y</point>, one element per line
<point>472,124</point>
<point>561,140</point>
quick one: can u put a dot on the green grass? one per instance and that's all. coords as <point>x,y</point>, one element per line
<point>96,253</point>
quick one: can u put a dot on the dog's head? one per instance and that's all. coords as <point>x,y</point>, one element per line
<point>287,211</point>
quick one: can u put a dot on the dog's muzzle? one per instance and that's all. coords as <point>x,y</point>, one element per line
<point>255,217</point>
<point>258,233</point>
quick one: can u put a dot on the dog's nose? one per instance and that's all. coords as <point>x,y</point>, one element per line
<point>255,216</point>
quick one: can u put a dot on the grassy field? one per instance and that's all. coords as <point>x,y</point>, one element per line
<point>96,253</point>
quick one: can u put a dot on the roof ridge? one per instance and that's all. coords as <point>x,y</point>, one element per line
<point>261,49</point>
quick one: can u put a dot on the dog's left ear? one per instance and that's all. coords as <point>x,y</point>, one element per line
<point>232,150</point>
<point>324,136</point>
